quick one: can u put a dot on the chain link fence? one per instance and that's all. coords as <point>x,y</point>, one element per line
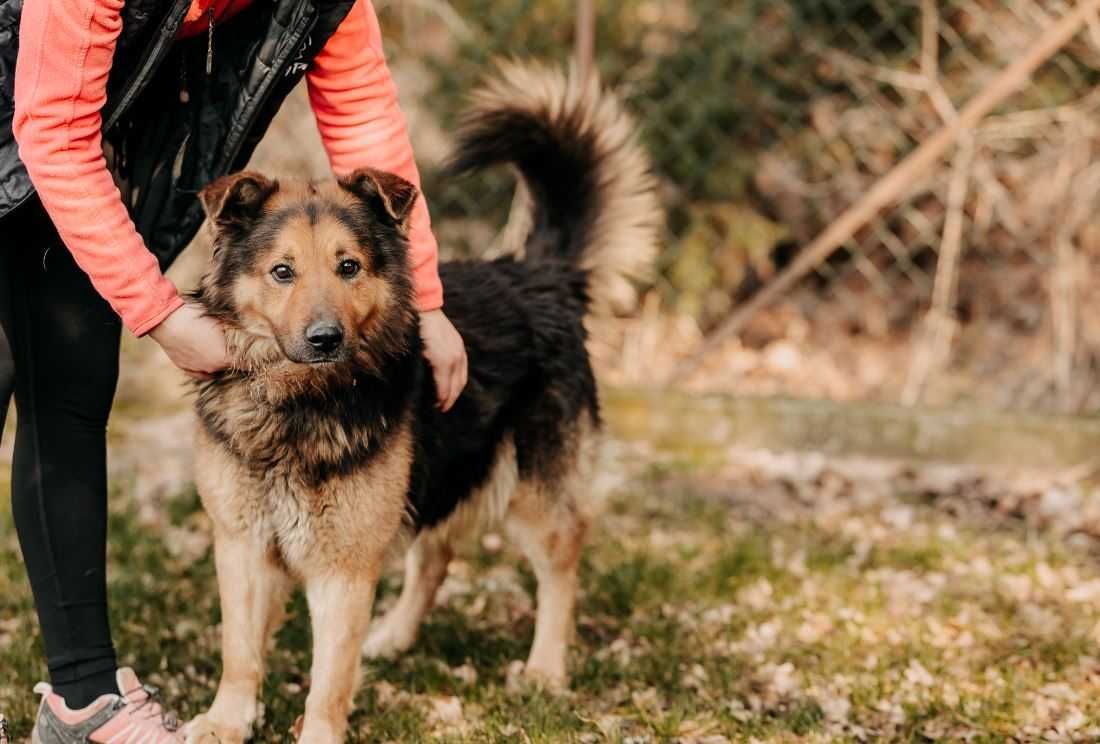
<point>765,121</point>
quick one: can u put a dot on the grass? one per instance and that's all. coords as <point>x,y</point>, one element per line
<point>705,617</point>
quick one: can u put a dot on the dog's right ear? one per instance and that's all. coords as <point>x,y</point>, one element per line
<point>237,200</point>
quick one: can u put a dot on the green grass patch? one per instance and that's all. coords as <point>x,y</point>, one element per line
<point>694,620</point>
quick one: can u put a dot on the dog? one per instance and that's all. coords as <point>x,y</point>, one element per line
<point>322,446</point>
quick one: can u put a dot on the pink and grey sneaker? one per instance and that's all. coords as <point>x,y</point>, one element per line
<point>133,716</point>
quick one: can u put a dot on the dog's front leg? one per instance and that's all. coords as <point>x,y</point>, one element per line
<point>340,609</point>
<point>253,591</point>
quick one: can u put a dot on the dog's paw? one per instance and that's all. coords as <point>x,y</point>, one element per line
<point>386,641</point>
<point>314,731</point>
<point>546,676</point>
<point>524,678</point>
<point>203,730</point>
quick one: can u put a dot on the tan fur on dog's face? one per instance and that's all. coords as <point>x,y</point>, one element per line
<point>313,287</point>
<point>308,265</point>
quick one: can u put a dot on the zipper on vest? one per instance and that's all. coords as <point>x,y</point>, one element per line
<point>150,60</point>
<point>210,39</point>
<point>185,93</point>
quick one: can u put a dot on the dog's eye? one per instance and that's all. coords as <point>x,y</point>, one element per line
<point>282,273</point>
<point>348,268</point>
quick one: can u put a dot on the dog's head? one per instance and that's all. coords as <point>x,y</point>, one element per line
<point>311,272</point>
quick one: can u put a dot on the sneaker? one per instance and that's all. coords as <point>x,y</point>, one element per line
<point>134,715</point>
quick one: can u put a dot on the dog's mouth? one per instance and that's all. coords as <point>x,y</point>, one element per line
<point>320,359</point>
<point>323,360</point>
<point>310,357</point>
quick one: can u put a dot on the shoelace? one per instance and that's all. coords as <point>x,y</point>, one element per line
<point>152,698</point>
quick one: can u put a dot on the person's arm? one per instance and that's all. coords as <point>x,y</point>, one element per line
<point>66,48</point>
<point>355,102</point>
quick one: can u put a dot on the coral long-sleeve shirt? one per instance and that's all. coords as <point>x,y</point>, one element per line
<point>65,52</point>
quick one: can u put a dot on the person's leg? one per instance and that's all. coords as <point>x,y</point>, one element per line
<point>7,361</point>
<point>65,340</point>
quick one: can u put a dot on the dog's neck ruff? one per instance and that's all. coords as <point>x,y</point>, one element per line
<point>310,422</point>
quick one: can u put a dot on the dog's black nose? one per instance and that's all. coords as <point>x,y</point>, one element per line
<point>324,335</point>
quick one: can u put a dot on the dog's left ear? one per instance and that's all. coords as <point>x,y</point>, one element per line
<point>237,199</point>
<point>393,194</point>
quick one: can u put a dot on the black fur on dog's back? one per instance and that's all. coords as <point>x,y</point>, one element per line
<point>590,230</point>
<point>529,379</point>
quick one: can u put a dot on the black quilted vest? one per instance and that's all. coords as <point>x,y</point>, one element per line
<point>171,126</point>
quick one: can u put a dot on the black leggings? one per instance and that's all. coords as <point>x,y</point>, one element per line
<point>59,345</point>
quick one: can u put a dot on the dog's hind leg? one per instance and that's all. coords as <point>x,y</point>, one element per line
<point>425,568</point>
<point>550,531</point>
<point>253,589</point>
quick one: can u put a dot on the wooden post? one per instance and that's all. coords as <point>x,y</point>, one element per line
<point>584,41</point>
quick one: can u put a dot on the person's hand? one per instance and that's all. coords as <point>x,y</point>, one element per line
<point>193,341</point>
<point>445,351</point>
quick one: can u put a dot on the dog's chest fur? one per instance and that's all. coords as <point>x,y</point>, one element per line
<point>308,436</point>
<point>310,471</point>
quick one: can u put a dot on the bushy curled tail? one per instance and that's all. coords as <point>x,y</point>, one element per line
<point>588,193</point>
